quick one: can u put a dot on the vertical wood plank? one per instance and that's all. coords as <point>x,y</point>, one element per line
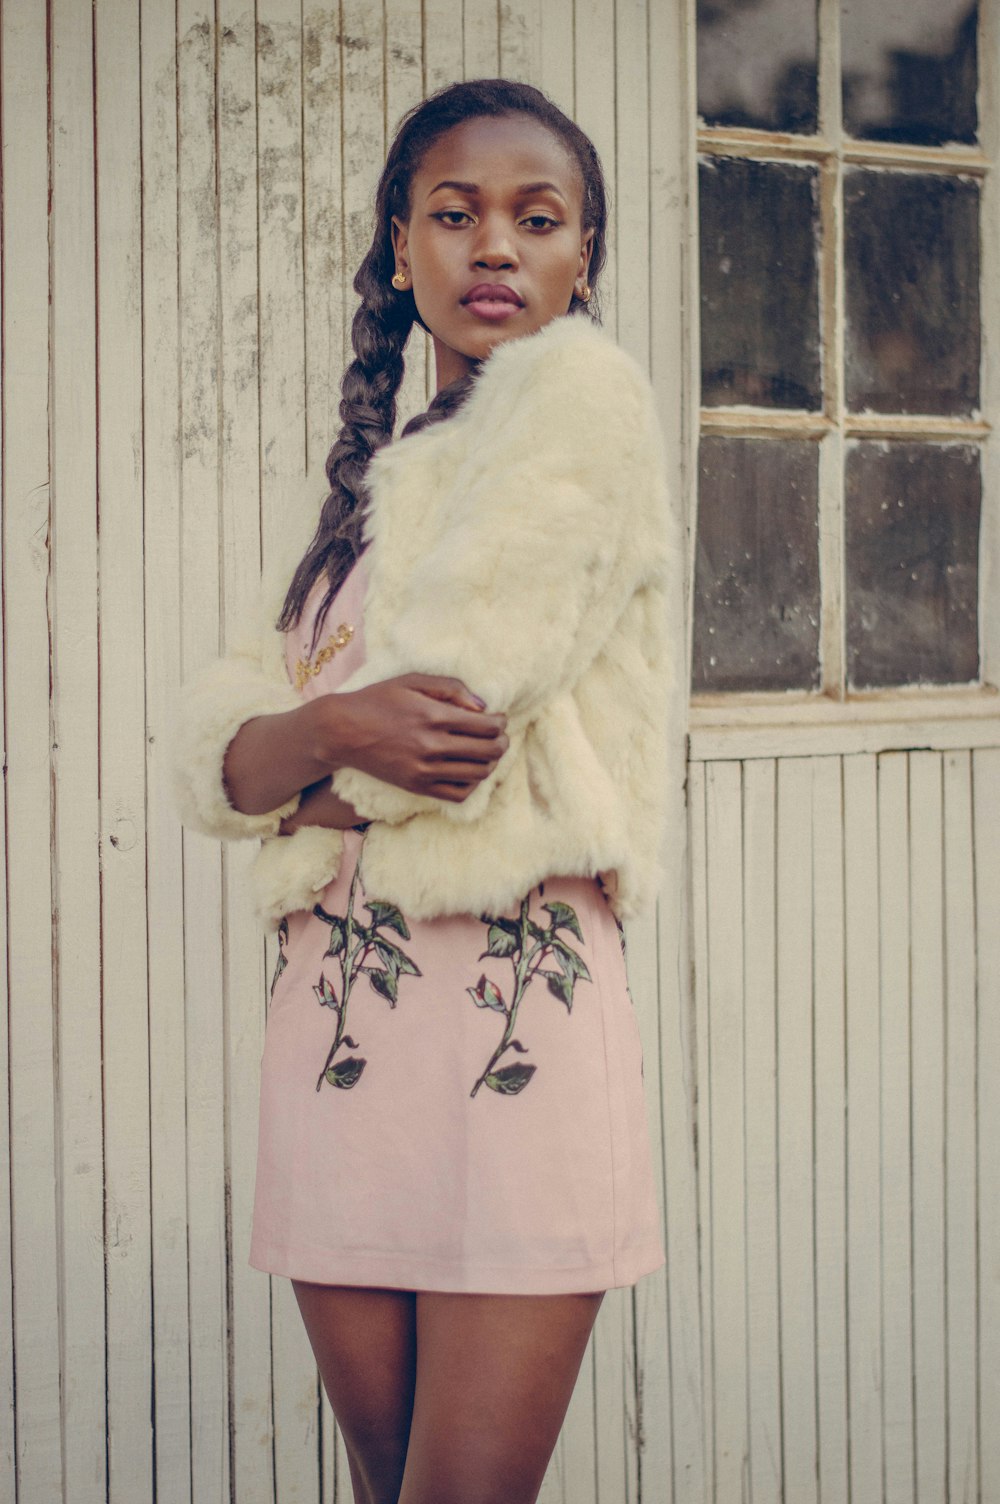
<point>443,43</point>
<point>596,113</point>
<point>763,1318</point>
<point>986,793</point>
<point>162,479</point>
<point>404,89</point>
<point>202,445</point>
<point>698,829</point>
<point>25,565</point>
<point>283,455</point>
<point>960,1128</point>
<point>75,688</point>
<point>122,752</point>
<point>632,177</point>
<point>480,39</point>
<point>250,1397</point>
<point>521,41</point>
<point>864,1284</point>
<point>724,1122</point>
<point>557,64</point>
<point>325,274</point>
<point>896,1246</point>
<point>830,1108</point>
<point>795,1127</point>
<point>928,1051</point>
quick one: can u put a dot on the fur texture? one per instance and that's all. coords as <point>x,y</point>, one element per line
<point>527,547</point>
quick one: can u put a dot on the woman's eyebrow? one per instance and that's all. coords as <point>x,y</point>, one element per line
<point>473,188</point>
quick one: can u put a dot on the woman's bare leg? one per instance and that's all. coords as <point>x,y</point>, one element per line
<point>365,1346</point>
<point>494,1378</point>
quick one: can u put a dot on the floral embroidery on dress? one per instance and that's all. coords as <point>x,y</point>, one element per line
<point>282,960</point>
<point>528,946</point>
<point>356,948</point>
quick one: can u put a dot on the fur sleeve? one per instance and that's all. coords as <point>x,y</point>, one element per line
<point>249,681</point>
<point>554,520</point>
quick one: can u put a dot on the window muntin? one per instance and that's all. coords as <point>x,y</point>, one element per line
<point>893,315</point>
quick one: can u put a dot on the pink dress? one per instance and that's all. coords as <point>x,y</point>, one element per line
<point>451,1104</point>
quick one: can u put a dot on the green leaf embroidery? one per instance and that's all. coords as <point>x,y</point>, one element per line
<point>385,983</point>
<point>326,994</point>
<point>560,985</point>
<point>564,918</point>
<point>510,1079</point>
<point>347,1072</point>
<point>572,964</point>
<point>502,939</point>
<point>487,995</point>
<point>387,916</point>
<point>395,960</point>
<point>337,930</point>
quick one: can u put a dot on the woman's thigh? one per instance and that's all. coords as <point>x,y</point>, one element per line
<point>365,1346</point>
<point>494,1378</point>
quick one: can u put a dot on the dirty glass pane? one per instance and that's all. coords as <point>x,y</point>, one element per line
<point>757,64</point>
<point>912,538</point>
<point>910,70</point>
<point>759,284</point>
<point>757,608</point>
<point>912,271</point>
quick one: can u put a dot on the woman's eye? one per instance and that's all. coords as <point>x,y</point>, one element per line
<point>454,217</point>
<point>540,222</point>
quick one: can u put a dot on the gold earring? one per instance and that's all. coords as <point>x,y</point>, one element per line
<point>399,280</point>
<point>585,296</point>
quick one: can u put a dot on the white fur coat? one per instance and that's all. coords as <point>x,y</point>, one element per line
<point>527,547</point>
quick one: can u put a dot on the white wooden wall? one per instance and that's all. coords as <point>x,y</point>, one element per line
<point>185,195</point>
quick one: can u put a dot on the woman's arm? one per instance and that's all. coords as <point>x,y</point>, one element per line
<point>426,734</point>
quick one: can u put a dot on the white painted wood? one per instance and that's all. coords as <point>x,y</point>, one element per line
<point>705,1407</point>
<point>894,1018</point>
<point>821,729</point>
<point>162,485</point>
<point>986,794</point>
<point>76,867</point>
<point>480,38</point>
<point>521,41</point>
<point>248,1294</point>
<point>204,1041</point>
<point>760,1066</point>
<point>960,1128</point>
<point>724,1102</point>
<point>830,1145</point>
<point>404,89</point>
<point>26,561</point>
<point>558,72</point>
<point>795,1142</point>
<point>122,751</point>
<point>928,1047</point>
<point>864,1283</point>
<point>594,55</point>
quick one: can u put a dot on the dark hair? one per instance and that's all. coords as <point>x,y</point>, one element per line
<point>383,322</point>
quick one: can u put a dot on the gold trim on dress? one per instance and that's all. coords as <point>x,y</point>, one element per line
<point>306,670</point>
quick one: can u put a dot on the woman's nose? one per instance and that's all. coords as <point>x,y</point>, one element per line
<point>495,246</point>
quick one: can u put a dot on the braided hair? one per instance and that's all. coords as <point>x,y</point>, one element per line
<point>385,317</point>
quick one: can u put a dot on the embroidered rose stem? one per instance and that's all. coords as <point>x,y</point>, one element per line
<point>348,972</point>
<point>523,974</point>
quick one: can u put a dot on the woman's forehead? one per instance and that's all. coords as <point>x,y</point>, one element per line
<point>490,151</point>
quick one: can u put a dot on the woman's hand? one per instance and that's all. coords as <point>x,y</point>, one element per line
<point>424,733</point>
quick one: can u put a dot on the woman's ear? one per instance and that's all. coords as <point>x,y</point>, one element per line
<point>586,250</point>
<point>400,242</point>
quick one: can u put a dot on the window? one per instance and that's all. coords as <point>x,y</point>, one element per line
<point>841,181</point>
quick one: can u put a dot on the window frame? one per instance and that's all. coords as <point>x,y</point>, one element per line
<point>815,712</point>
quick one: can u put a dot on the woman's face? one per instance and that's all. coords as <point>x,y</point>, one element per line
<point>494,246</point>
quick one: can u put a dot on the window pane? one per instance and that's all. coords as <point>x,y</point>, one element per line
<point>910,70</point>
<point>912,563</point>
<point>912,269</point>
<point>756,614</point>
<point>757,64</point>
<point>759,284</point>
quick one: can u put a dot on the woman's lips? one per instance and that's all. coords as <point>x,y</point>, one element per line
<point>493,302</point>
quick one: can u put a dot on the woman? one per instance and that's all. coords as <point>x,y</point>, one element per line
<point>455,747</point>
